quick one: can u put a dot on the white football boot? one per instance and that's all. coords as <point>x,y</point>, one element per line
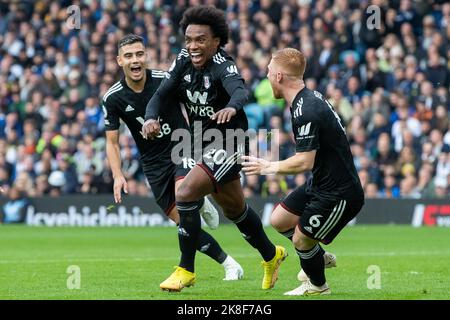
<point>233,270</point>
<point>308,289</point>
<point>210,214</point>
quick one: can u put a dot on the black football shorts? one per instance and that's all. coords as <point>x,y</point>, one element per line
<point>321,218</point>
<point>162,180</point>
<point>221,166</point>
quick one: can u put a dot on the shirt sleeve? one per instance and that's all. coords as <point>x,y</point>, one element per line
<point>167,86</point>
<point>306,132</point>
<point>112,121</point>
<point>234,85</point>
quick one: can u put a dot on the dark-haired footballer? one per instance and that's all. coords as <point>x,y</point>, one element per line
<point>127,100</point>
<point>208,83</point>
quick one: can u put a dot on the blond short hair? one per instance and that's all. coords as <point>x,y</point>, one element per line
<point>291,61</point>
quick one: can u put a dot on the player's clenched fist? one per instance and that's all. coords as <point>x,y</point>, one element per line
<point>150,129</point>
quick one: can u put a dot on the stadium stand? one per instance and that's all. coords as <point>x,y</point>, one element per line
<point>390,86</point>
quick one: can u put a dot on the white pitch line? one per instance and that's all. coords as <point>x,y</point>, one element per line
<point>76,260</point>
<point>122,259</point>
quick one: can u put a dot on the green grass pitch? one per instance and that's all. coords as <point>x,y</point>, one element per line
<point>129,263</point>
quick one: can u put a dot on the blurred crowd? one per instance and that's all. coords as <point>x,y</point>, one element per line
<point>387,76</point>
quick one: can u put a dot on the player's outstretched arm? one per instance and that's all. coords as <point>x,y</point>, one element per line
<point>298,163</point>
<point>238,98</point>
<point>113,156</point>
<point>234,85</point>
<point>151,127</point>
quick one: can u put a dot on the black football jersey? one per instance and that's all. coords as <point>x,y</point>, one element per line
<point>120,102</point>
<point>316,126</point>
<point>204,92</point>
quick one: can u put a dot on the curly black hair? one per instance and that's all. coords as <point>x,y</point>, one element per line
<point>207,15</point>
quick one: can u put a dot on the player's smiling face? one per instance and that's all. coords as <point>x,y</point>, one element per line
<point>200,44</point>
<point>132,58</point>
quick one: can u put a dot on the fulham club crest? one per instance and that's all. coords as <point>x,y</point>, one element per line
<point>206,82</point>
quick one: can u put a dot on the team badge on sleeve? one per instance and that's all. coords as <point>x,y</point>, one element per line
<point>232,69</point>
<point>304,130</point>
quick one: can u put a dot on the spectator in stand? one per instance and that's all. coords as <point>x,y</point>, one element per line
<point>42,186</point>
<point>274,186</point>
<point>371,191</point>
<point>384,155</point>
<point>394,77</point>
<point>390,188</point>
<point>408,187</point>
<point>425,183</point>
<point>14,210</point>
<point>440,187</point>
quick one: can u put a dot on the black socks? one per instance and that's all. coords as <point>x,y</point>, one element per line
<point>313,264</point>
<point>189,232</point>
<point>288,234</point>
<point>209,246</point>
<point>252,230</point>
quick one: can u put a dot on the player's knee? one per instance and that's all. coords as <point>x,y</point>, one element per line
<point>279,221</point>
<point>298,240</point>
<point>183,194</point>
<point>302,241</point>
<point>231,208</point>
<point>276,223</point>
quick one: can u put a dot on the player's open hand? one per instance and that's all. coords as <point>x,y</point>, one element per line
<point>119,184</point>
<point>150,129</point>
<point>224,115</point>
<point>253,165</point>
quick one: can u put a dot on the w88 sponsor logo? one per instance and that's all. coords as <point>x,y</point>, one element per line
<point>202,111</point>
